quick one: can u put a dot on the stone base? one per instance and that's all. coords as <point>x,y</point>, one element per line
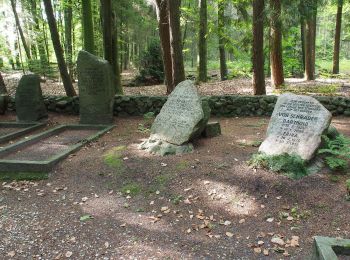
<point>212,129</point>
<point>328,248</point>
<point>164,148</point>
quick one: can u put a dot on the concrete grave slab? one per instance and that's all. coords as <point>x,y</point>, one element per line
<point>12,130</point>
<point>35,157</point>
<point>329,248</point>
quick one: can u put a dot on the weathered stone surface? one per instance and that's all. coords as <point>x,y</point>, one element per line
<point>296,126</point>
<point>30,106</point>
<point>97,88</point>
<point>183,117</point>
<point>164,148</point>
<point>212,129</point>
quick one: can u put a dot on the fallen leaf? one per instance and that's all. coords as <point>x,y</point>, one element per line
<point>260,242</point>
<point>257,250</point>
<point>242,221</point>
<point>266,252</point>
<point>227,223</point>
<point>68,254</point>
<point>86,218</point>
<point>270,220</point>
<point>277,240</point>
<point>11,253</point>
<point>229,234</point>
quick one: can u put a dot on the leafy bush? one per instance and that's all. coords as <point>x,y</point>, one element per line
<point>151,66</point>
<point>337,152</point>
<point>291,165</point>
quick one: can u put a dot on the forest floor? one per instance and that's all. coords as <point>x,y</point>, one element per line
<point>112,201</point>
<point>238,86</point>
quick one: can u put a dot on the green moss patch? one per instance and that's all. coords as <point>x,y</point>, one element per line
<point>113,157</point>
<point>20,176</point>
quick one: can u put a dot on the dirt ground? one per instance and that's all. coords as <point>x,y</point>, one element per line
<point>111,201</point>
<point>238,86</point>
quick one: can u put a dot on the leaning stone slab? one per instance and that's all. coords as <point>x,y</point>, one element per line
<point>328,248</point>
<point>96,82</point>
<point>183,117</point>
<point>296,126</point>
<point>30,106</point>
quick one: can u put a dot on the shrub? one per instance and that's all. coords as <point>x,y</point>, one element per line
<point>337,152</point>
<point>291,165</point>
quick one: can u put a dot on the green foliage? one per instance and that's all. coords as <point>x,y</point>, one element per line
<point>291,165</point>
<point>151,66</point>
<point>132,188</point>
<point>337,152</point>
<point>113,158</point>
<point>302,90</point>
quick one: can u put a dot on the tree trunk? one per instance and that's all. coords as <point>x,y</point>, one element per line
<point>115,55</point>
<point>25,46</point>
<point>88,27</point>
<point>302,41</point>
<point>176,42</point>
<point>68,16</point>
<point>258,48</point>
<point>202,41</point>
<point>310,40</point>
<point>39,36</point>
<point>164,35</point>
<point>3,89</point>
<point>276,62</point>
<point>222,39</point>
<point>67,83</point>
<point>337,38</point>
<point>109,42</point>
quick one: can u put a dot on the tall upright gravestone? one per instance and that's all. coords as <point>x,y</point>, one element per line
<point>30,106</point>
<point>296,126</point>
<point>97,88</point>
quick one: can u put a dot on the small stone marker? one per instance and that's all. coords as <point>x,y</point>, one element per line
<point>296,126</point>
<point>182,118</point>
<point>97,88</point>
<point>30,106</point>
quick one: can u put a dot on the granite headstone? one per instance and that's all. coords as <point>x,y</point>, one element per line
<point>30,106</point>
<point>296,126</point>
<point>96,82</point>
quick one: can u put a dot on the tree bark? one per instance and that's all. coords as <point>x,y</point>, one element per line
<point>164,35</point>
<point>258,48</point>
<point>67,83</point>
<point>68,17</point>
<point>88,27</point>
<point>109,42</point>
<point>202,41</point>
<point>337,38</point>
<point>276,61</point>
<point>310,40</point>
<point>176,42</point>
<point>25,45</point>
<point>222,39</point>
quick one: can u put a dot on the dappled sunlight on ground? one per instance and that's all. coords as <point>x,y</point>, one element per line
<point>228,198</point>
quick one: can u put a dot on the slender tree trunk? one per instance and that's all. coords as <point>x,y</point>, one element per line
<point>202,41</point>
<point>222,39</point>
<point>67,83</point>
<point>310,40</point>
<point>3,89</point>
<point>277,77</point>
<point>115,51</point>
<point>176,42</point>
<point>164,34</point>
<point>39,36</point>
<point>109,42</point>
<point>68,17</point>
<point>25,46</point>
<point>258,48</point>
<point>302,41</point>
<point>337,38</point>
<point>88,27</point>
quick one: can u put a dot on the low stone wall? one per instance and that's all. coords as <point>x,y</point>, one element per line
<point>222,106</point>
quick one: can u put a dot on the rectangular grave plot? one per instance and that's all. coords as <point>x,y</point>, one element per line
<point>41,152</point>
<point>12,130</point>
<point>328,248</point>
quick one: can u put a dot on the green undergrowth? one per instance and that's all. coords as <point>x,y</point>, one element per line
<point>332,89</point>
<point>131,188</point>
<point>292,166</point>
<point>113,158</point>
<point>20,176</point>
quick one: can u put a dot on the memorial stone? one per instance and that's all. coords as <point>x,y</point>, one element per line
<point>296,126</point>
<point>30,106</point>
<point>182,118</point>
<point>97,88</point>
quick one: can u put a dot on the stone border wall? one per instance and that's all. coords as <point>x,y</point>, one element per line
<point>222,106</point>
